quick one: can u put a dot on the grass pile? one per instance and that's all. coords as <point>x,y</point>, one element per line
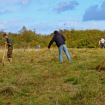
<point>46,81</point>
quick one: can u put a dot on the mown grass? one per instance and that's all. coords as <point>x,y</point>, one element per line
<point>46,81</point>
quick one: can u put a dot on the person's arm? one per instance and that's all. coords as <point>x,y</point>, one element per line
<point>8,41</point>
<point>51,42</point>
<point>64,38</point>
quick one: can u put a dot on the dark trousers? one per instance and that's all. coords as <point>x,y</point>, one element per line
<point>9,52</point>
<point>102,45</point>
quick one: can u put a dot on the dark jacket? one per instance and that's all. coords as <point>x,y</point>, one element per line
<point>59,39</point>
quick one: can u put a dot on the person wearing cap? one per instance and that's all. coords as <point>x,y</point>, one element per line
<point>59,39</point>
<point>10,47</point>
<point>102,42</point>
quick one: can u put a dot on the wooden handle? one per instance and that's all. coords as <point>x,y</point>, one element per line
<point>101,65</point>
<point>4,52</point>
<point>38,55</point>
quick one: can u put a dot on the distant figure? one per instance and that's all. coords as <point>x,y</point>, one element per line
<point>102,42</point>
<point>59,39</point>
<point>10,47</point>
<point>37,47</point>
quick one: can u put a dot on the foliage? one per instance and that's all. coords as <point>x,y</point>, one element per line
<point>75,38</point>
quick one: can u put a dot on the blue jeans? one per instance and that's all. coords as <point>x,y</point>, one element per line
<point>64,48</point>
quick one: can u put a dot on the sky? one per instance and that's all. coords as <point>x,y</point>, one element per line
<point>45,16</point>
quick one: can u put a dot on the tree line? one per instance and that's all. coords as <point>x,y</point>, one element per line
<point>74,38</point>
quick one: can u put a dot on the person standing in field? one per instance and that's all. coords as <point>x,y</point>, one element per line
<point>10,47</point>
<point>102,42</point>
<point>59,39</point>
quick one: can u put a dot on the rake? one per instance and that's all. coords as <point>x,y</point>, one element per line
<point>100,65</point>
<point>38,55</point>
<point>4,54</point>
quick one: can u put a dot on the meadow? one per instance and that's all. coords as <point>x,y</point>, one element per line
<point>46,81</point>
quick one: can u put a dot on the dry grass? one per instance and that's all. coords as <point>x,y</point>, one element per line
<point>46,81</point>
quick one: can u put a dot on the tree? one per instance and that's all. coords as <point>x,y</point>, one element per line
<point>23,30</point>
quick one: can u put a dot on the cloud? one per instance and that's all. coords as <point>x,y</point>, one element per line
<point>95,13</point>
<point>14,25</point>
<point>10,25</point>
<point>5,11</point>
<point>42,28</point>
<point>7,6</point>
<point>10,2</point>
<point>64,6</point>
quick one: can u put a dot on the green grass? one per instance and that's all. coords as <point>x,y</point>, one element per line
<point>46,81</point>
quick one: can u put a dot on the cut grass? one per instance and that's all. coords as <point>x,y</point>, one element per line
<point>46,81</point>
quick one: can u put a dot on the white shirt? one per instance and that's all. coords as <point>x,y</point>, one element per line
<point>101,40</point>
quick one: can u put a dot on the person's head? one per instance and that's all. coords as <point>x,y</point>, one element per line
<point>101,38</point>
<point>5,36</point>
<point>55,32</point>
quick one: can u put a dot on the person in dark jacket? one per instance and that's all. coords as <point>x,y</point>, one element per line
<point>59,39</point>
<point>10,47</point>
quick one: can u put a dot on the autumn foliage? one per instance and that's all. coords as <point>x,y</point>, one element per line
<point>75,38</point>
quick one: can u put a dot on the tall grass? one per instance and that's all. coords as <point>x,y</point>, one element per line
<point>46,81</point>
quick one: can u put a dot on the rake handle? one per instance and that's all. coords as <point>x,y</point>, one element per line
<point>4,52</point>
<point>38,55</point>
<point>101,65</point>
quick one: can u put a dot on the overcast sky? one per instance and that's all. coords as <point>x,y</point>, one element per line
<point>45,16</point>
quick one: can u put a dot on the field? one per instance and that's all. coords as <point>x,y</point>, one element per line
<point>46,81</point>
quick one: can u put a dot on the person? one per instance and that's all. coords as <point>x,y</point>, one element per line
<point>59,39</point>
<point>102,42</point>
<point>10,47</point>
